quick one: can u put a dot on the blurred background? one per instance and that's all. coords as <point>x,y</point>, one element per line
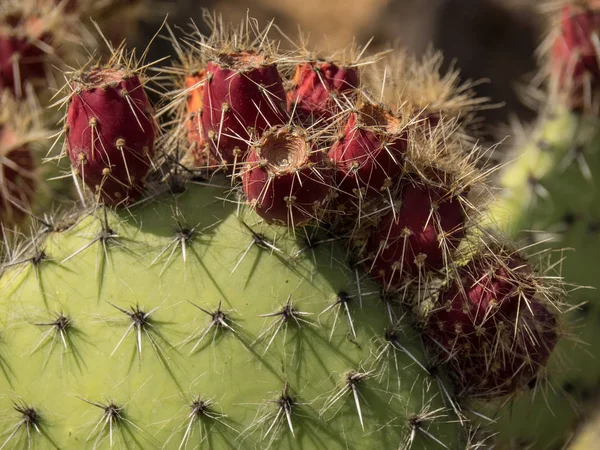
<point>491,40</point>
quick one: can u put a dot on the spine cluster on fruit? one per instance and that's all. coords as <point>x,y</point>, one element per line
<point>111,156</point>
<point>39,39</point>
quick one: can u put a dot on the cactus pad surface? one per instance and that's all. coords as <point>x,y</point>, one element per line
<point>185,322</point>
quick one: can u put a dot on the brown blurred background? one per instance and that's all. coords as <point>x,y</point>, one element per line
<point>489,39</point>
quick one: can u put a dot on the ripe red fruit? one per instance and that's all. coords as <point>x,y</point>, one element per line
<point>576,51</point>
<point>317,84</point>
<point>243,96</point>
<point>111,133</point>
<point>199,148</point>
<point>17,182</point>
<point>421,235</point>
<point>369,156</point>
<point>492,326</point>
<point>286,179</point>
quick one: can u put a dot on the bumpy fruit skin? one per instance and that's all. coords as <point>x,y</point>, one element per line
<point>111,134</point>
<point>286,179</point>
<point>492,327</point>
<point>316,83</point>
<point>17,181</point>
<point>243,96</point>
<point>418,236</point>
<point>182,338</point>
<point>199,148</point>
<point>369,157</point>
<point>21,56</point>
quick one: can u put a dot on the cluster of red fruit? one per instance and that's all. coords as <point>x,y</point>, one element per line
<point>490,322</point>
<point>310,149</point>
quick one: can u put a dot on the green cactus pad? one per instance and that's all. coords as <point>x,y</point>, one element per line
<point>186,323</point>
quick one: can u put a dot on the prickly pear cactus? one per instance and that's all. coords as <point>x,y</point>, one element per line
<point>550,189</point>
<point>311,272</point>
<point>185,324</point>
<point>550,197</point>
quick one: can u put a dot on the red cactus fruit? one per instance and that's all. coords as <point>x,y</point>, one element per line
<point>492,325</point>
<point>369,156</point>
<point>286,180</point>
<point>22,55</point>
<point>111,133</point>
<point>17,182</point>
<point>243,96</point>
<point>418,235</point>
<point>575,52</point>
<point>199,149</point>
<point>316,85</point>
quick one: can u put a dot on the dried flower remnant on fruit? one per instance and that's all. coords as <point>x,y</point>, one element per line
<point>286,180</point>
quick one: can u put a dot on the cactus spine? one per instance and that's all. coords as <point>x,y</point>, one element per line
<point>202,330</point>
